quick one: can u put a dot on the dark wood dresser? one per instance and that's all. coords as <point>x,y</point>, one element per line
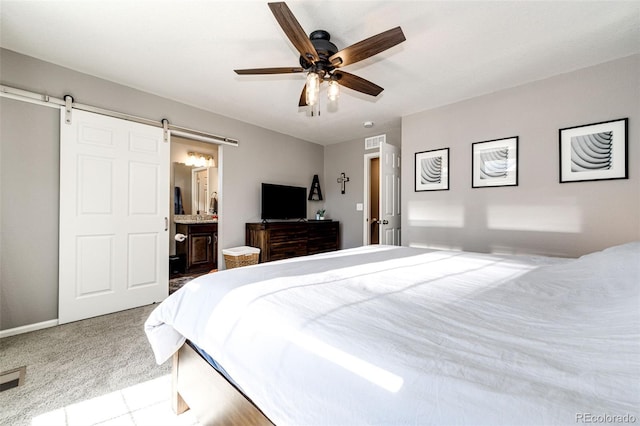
<point>282,240</point>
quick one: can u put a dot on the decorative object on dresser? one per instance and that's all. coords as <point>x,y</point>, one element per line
<point>200,247</point>
<point>282,240</point>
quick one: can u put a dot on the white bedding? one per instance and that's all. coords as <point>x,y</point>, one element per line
<point>394,335</point>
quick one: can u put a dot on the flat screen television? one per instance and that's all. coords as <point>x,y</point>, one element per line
<point>280,202</point>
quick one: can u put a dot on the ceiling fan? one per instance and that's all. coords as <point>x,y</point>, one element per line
<point>321,59</point>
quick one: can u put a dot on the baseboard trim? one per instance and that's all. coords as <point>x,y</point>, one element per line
<point>28,328</point>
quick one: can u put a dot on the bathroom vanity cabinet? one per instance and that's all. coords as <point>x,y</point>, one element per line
<point>200,249</point>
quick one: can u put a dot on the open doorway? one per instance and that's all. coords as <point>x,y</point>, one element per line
<point>381,224</point>
<point>194,209</point>
<point>374,197</point>
<point>371,231</point>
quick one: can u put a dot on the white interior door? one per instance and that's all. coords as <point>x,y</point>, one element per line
<point>114,208</point>
<point>389,194</point>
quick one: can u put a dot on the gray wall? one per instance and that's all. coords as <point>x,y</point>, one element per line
<point>29,191</point>
<point>348,157</point>
<point>29,156</point>
<point>540,215</point>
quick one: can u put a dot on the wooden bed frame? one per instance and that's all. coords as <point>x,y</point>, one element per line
<point>196,385</point>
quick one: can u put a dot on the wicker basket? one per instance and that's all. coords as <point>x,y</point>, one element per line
<point>240,256</point>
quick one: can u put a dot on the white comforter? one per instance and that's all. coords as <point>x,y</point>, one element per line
<point>395,335</point>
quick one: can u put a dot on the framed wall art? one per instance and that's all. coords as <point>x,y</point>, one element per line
<point>594,152</point>
<point>494,163</point>
<point>432,170</point>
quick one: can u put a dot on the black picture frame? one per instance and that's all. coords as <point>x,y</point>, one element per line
<point>494,163</point>
<point>431,169</point>
<point>596,151</point>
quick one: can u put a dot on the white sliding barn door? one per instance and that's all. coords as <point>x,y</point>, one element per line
<point>114,204</point>
<point>389,194</point>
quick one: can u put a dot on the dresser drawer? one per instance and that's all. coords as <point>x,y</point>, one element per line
<point>287,250</point>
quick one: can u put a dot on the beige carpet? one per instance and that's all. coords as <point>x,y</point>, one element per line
<point>77,361</point>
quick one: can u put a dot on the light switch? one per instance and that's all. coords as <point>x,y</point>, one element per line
<point>359,207</point>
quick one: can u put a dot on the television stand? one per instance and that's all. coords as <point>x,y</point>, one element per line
<point>283,240</point>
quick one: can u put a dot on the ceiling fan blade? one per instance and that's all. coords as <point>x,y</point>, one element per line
<point>357,83</point>
<point>303,97</point>
<point>368,47</point>
<point>280,70</point>
<point>294,31</point>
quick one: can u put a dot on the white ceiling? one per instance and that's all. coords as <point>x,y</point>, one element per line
<point>186,50</point>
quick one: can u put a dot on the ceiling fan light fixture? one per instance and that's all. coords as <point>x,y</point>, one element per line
<point>334,90</point>
<point>313,88</point>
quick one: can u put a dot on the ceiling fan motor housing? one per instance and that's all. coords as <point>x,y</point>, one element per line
<point>324,48</point>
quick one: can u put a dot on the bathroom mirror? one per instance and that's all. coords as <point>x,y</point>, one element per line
<point>195,189</point>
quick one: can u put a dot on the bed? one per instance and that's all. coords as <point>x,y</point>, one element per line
<point>384,335</point>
